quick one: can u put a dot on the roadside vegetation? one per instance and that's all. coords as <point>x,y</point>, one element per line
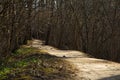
<point>29,63</point>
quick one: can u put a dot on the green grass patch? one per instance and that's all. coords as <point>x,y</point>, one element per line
<point>3,72</point>
<point>25,50</point>
<point>16,66</point>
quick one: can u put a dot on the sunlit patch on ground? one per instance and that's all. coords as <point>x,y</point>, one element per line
<point>89,68</point>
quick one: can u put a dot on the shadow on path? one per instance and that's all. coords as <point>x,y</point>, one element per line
<point>89,68</point>
<point>117,77</point>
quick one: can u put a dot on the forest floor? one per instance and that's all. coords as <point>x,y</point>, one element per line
<point>30,63</point>
<point>88,68</point>
<point>36,61</point>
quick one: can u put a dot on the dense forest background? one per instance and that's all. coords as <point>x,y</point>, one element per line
<point>91,26</point>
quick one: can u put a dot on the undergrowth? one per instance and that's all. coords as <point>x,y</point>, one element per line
<point>28,63</point>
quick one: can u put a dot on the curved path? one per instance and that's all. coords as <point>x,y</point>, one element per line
<point>88,68</point>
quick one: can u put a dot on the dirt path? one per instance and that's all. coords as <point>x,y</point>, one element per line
<point>88,68</point>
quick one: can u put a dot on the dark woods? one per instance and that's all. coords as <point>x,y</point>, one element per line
<point>15,24</point>
<point>91,26</point>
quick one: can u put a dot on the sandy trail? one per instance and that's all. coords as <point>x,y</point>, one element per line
<point>88,68</point>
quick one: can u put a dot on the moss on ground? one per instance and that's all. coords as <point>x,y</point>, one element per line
<point>28,63</point>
